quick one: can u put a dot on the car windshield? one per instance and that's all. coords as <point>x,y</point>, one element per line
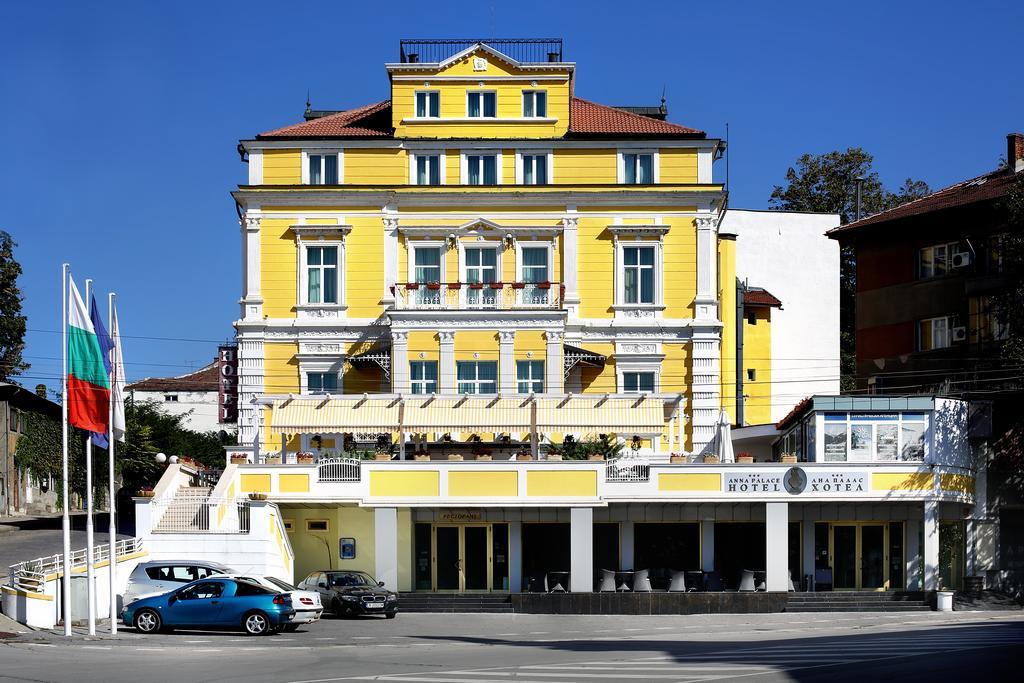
<point>346,579</point>
<point>281,584</point>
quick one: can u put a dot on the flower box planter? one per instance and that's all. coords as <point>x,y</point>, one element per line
<point>455,456</point>
<point>711,460</point>
<point>476,285</point>
<point>553,456</point>
<point>273,460</point>
<point>145,493</point>
<point>543,285</point>
<point>524,456</point>
<point>382,456</point>
<point>484,456</point>
<point>744,459</point>
<point>518,285</point>
<point>412,285</point>
<point>497,285</point>
<point>421,457</point>
<point>595,456</point>
<point>257,496</point>
<point>434,286</point>
<point>305,458</point>
<point>676,459</point>
<point>789,459</point>
<point>237,459</point>
<point>454,285</point>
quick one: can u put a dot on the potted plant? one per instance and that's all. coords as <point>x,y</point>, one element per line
<point>744,458</point>
<point>497,285</point>
<point>524,454</point>
<point>145,492</point>
<point>476,285</point>
<point>306,458</point>
<point>434,286</point>
<point>789,458</point>
<point>711,459</point>
<point>382,456</point>
<point>484,455</point>
<point>455,456</point>
<point>543,285</point>
<point>273,459</point>
<point>239,458</point>
<point>454,285</point>
<point>518,285</point>
<point>257,496</point>
<point>677,458</point>
<point>421,455</point>
<point>412,285</point>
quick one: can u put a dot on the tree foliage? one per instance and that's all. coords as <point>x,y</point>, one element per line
<point>12,322</point>
<point>826,183</point>
<point>1008,307</point>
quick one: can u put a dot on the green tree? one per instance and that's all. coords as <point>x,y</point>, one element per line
<point>12,322</point>
<point>1007,303</point>
<point>826,183</point>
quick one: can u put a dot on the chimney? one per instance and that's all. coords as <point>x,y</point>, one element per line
<point>413,58</point>
<point>1015,152</point>
<point>553,56</point>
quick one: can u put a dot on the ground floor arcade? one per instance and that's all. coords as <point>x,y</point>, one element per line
<point>714,546</point>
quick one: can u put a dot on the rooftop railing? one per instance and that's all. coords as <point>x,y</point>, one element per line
<point>460,296</point>
<point>411,50</point>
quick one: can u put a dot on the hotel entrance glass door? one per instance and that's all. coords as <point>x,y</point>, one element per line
<point>859,556</point>
<point>462,559</point>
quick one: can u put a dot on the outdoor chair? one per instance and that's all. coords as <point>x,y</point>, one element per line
<point>641,582</point>
<point>792,588</point>
<point>822,577</point>
<point>558,587</point>
<point>712,582</point>
<point>607,584</point>
<point>678,583</point>
<point>746,580</point>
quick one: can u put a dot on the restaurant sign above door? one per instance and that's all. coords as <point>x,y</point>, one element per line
<point>796,481</point>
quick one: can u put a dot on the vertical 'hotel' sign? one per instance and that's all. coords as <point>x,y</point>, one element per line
<point>227,392</point>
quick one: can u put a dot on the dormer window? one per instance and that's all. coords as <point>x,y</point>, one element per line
<point>535,104</point>
<point>482,105</point>
<point>428,104</point>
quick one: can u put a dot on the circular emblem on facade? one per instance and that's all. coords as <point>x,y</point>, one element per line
<point>795,480</point>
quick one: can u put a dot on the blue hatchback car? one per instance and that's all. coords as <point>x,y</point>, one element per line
<point>212,603</point>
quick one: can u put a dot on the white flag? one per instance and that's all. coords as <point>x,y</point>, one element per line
<point>117,383</point>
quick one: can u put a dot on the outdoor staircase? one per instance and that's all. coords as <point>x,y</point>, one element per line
<point>455,602</point>
<point>188,511</point>
<point>859,601</point>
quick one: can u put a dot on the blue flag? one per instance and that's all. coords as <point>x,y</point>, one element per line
<point>106,346</point>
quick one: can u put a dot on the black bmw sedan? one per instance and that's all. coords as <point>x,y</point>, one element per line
<point>351,593</point>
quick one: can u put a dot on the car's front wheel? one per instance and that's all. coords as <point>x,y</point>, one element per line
<point>256,624</point>
<point>148,621</point>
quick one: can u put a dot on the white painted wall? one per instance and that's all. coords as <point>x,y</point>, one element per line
<point>788,254</point>
<point>199,407</point>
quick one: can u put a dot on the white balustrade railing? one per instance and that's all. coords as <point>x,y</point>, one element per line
<point>338,469</point>
<point>195,514</point>
<point>627,469</point>
<point>31,575</point>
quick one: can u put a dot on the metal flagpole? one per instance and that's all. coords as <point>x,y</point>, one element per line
<point>89,559</point>
<point>112,551</point>
<point>66,518</point>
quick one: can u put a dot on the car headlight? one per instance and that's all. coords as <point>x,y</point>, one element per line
<point>353,598</point>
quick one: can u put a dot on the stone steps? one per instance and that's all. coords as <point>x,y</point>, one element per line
<point>858,601</point>
<point>455,602</point>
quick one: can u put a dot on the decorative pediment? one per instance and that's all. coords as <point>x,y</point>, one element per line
<point>479,226</point>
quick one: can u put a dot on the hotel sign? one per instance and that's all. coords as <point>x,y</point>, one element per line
<point>796,481</point>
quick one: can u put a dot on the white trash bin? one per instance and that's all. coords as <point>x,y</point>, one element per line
<point>944,600</point>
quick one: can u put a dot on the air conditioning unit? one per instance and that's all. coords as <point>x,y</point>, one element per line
<point>959,334</point>
<point>961,259</point>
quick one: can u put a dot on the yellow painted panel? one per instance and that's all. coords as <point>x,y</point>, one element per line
<point>757,351</point>
<point>585,166</point>
<point>484,342</point>
<point>405,483</point>
<point>425,343</point>
<point>598,380</point>
<point>255,483</point>
<point>961,483</point>
<point>452,166</point>
<point>376,166</point>
<point>704,481</point>
<point>483,484</point>
<point>675,374</point>
<point>680,256</point>
<point>561,483</point>
<point>727,312</point>
<point>902,481</point>
<point>678,165</point>
<point>508,167</point>
<point>364,268</point>
<point>530,340</point>
<point>293,483</point>
<point>596,253</point>
<point>282,167</point>
<point>281,369</point>
<point>278,276</point>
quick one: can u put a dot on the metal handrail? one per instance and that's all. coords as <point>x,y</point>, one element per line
<point>411,50</point>
<point>339,469</point>
<point>31,575</point>
<point>203,515</point>
<point>462,296</point>
<point>627,469</point>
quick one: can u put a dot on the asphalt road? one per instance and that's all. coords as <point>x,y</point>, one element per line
<point>454,648</point>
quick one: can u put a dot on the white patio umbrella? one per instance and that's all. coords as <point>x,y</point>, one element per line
<point>723,436</point>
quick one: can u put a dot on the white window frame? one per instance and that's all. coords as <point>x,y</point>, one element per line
<point>482,92</point>
<point>547,153</point>
<point>621,163</point>
<point>535,244</point>
<point>902,418</point>
<point>464,165</point>
<point>624,368</point>
<point>413,245</point>
<point>620,273</point>
<point>326,366</point>
<point>327,373</point>
<point>323,152</point>
<point>415,105</point>
<point>477,381</point>
<point>949,247</point>
<point>441,161</point>
<point>531,92</point>
<point>530,381</point>
<point>949,321</point>
<point>413,381</point>
<point>498,248</point>
<point>303,297</point>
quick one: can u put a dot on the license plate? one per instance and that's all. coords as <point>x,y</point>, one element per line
<point>374,605</point>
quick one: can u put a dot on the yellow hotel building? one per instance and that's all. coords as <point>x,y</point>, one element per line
<point>488,342</point>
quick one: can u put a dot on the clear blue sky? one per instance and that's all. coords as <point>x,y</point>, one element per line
<point>120,120</point>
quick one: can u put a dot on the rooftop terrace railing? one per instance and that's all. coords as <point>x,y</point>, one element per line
<point>412,50</point>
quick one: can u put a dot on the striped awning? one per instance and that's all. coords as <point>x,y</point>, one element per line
<point>302,415</point>
<point>629,415</point>
<point>467,414</point>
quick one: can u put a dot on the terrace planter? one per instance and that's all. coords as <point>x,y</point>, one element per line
<point>789,459</point>
<point>412,285</point>
<point>382,456</point>
<point>744,459</point>
<point>497,285</point>
<point>553,456</point>
<point>596,456</point>
<point>434,286</point>
<point>421,457</point>
<point>476,285</point>
<point>455,457</point>
<point>524,456</point>
<point>518,285</point>
<point>237,459</point>
<point>454,285</point>
<point>257,496</point>
<point>145,493</point>
<point>484,456</point>
<point>543,285</point>
<point>305,459</point>
<point>273,460</point>
<point>677,459</point>
<point>711,460</point>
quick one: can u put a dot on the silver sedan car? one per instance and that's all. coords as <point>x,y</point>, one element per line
<point>160,576</point>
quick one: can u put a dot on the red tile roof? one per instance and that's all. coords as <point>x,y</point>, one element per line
<point>755,296</point>
<point>590,118</point>
<point>985,187</point>
<point>206,379</point>
<point>798,410</point>
<point>585,119</point>
<point>371,121</point>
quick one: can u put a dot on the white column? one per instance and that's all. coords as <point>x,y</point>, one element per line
<point>931,545</point>
<point>776,525</point>
<point>706,387</point>
<point>390,259</point>
<point>581,544</point>
<point>627,545</point>
<point>707,269</point>
<point>506,361</point>
<point>446,369</point>
<point>515,557</point>
<point>554,382</point>
<point>252,301</point>
<point>913,543</point>
<point>250,384</point>
<point>707,545</point>
<point>385,546</point>
<point>400,362</point>
<point>570,263</point>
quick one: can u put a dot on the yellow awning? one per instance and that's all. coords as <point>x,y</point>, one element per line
<point>304,415</point>
<point>634,415</point>
<point>467,414</point>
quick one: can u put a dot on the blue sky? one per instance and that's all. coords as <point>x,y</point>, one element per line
<point>120,120</point>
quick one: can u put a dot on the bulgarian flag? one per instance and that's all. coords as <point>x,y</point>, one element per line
<point>88,389</point>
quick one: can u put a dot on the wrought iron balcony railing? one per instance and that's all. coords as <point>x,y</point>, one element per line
<point>459,296</point>
<point>521,49</point>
